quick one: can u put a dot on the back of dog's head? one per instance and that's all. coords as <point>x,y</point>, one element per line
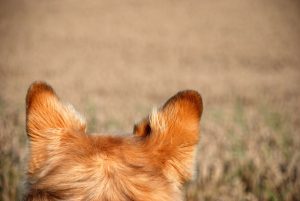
<point>66,163</point>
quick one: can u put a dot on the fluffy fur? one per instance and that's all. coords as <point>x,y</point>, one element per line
<point>66,163</point>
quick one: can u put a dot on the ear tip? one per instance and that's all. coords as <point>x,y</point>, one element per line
<point>36,88</point>
<point>192,96</point>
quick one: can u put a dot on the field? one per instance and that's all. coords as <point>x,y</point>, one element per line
<point>115,60</point>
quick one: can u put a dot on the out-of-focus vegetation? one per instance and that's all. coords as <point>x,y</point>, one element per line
<point>115,61</point>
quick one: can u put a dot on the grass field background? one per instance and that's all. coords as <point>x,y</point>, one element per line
<point>115,60</point>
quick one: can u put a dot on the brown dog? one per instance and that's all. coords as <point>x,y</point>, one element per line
<point>66,163</point>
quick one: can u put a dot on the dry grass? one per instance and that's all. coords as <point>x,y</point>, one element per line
<point>115,60</point>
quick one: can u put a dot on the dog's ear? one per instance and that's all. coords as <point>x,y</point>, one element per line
<point>177,121</point>
<point>180,117</point>
<point>46,119</point>
<point>172,133</point>
<point>44,111</point>
<point>142,128</point>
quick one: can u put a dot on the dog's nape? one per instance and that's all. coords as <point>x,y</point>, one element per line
<point>66,163</point>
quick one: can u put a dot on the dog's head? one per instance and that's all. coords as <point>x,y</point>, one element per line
<point>66,163</point>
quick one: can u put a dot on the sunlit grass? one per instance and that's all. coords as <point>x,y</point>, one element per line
<point>252,150</point>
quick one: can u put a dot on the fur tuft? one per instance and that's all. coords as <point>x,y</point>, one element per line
<point>157,121</point>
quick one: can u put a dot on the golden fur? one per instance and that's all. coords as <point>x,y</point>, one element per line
<point>66,163</point>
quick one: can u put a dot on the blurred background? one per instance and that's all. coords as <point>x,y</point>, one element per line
<point>115,60</point>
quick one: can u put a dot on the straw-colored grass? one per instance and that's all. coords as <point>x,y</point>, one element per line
<point>115,61</point>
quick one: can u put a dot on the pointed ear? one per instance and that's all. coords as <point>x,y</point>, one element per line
<point>45,111</point>
<point>181,115</point>
<point>172,133</point>
<point>177,122</point>
<point>46,118</point>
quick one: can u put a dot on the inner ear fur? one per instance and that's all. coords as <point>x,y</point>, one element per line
<point>142,128</point>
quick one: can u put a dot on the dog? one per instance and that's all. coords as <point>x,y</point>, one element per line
<point>152,164</point>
